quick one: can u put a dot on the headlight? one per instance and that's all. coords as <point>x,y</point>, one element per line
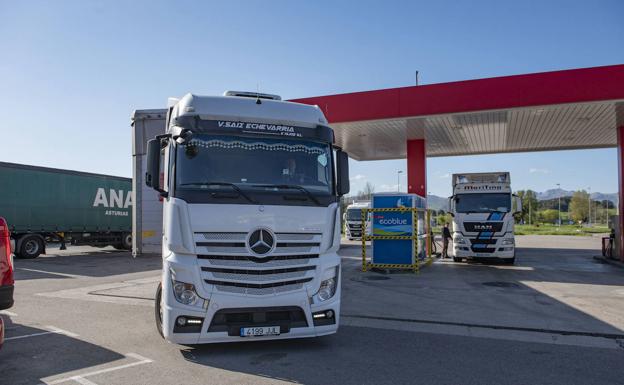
<point>184,293</point>
<point>328,285</point>
<point>508,241</point>
<point>459,240</point>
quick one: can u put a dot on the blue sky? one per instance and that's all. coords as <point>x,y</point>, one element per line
<point>73,71</point>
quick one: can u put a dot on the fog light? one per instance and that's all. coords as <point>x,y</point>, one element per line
<point>181,321</point>
<point>318,315</point>
<point>330,313</point>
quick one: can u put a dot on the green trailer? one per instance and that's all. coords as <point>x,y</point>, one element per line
<point>44,204</point>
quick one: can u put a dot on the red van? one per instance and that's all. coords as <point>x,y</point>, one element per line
<point>6,273</point>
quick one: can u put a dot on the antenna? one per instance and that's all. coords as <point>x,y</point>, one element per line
<point>258,101</point>
<point>416,77</point>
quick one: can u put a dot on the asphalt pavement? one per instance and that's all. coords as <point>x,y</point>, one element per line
<point>85,316</point>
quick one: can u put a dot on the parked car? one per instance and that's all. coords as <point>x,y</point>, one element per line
<point>6,273</point>
<point>1,332</point>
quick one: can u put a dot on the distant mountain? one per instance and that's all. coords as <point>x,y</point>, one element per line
<point>435,202</point>
<point>598,196</point>
<point>557,192</point>
<point>553,194</point>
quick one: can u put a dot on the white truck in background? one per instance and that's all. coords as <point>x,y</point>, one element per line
<point>250,189</point>
<point>483,209</point>
<point>353,220</point>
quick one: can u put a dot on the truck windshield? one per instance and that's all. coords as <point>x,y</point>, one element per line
<point>354,214</point>
<point>237,164</point>
<point>483,203</point>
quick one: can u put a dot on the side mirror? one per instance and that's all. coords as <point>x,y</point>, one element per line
<point>451,206</point>
<point>342,168</point>
<point>152,175</point>
<point>517,202</point>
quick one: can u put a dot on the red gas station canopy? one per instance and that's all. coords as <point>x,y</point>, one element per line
<point>570,109</point>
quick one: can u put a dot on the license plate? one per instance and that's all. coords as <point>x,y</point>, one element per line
<point>260,331</point>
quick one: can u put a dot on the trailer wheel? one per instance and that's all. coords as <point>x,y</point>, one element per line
<point>31,246</point>
<point>158,310</point>
<point>126,242</point>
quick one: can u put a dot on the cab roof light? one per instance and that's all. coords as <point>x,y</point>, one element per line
<point>255,95</point>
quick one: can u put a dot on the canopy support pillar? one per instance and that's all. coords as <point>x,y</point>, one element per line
<point>417,167</point>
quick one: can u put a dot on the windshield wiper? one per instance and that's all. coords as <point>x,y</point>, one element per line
<point>291,187</point>
<point>226,184</point>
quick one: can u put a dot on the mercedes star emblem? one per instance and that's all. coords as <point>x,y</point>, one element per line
<point>261,241</point>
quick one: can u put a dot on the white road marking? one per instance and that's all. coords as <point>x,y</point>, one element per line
<point>28,335</point>
<point>83,381</point>
<point>142,360</point>
<point>51,330</point>
<point>9,313</point>
<point>52,273</point>
<point>61,331</point>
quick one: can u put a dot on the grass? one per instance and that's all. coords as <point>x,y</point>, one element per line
<point>549,229</point>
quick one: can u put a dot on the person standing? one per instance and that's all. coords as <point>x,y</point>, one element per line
<point>446,237</point>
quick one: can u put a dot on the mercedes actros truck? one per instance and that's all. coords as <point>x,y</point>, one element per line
<point>353,220</point>
<point>251,221</point>
<point>483,209</point>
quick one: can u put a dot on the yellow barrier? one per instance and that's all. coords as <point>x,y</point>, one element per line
<point>414,237</point>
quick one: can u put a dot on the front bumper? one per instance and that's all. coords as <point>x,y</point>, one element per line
<point>296,300</point>
<point>460,253</point>
<point>218,302</point>
<point>6,296</point>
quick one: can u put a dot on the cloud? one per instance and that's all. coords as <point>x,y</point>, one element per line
<point>388,187</point>
<point>358,177</point>
<point>539,171</point>
<point>444,176</point>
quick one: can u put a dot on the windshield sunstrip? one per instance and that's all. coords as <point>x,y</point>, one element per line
<point>231,127</point>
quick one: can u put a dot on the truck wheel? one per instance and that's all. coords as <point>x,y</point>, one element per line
<point>456,259</point>
<point>126,242</point>
<point>30,247</point>
<point>510,261</point>
<point>158,311</point>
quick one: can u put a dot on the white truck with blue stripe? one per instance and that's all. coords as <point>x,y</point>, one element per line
<point>483,209</point>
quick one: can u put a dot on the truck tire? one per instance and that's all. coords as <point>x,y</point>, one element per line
<point>456,259</point>
<point>31,246</point>
<point>158,310</point>
<point>126,242</point>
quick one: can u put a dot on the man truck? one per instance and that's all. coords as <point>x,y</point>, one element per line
<point>483,208</point>
<point>250,188</point>
<point>44,204</point>
<point>353,220</point>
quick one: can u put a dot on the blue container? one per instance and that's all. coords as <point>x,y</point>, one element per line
<point>394,223</point>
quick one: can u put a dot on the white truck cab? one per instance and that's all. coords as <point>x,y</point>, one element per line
<point>353,220</point>
<point>251,221</point>
<point>483,209</point>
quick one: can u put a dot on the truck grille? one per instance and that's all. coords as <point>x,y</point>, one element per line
<point>225,262</point>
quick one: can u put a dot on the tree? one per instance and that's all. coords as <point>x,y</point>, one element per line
<point>529,205</point>
<point>367,192</point>
<point>443,219</point>
<point>549,215</point>
<point>579,205</point>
